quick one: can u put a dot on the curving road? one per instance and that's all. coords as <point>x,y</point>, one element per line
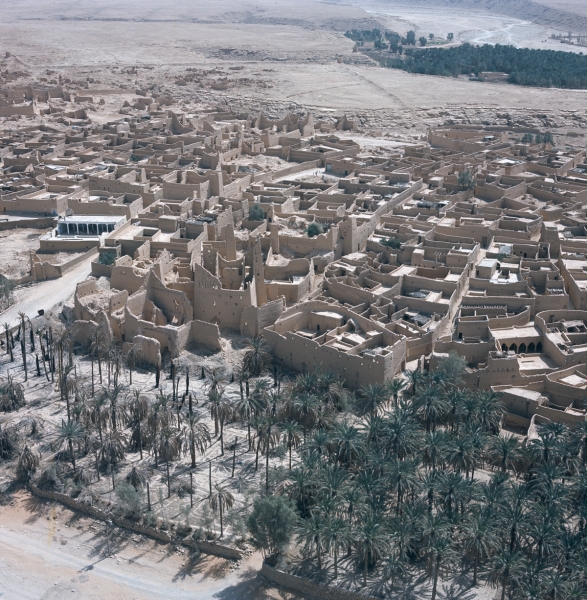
<point>46,294</point>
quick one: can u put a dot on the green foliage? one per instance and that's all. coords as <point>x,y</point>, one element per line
<point>539,68</point>
<point>256,213</point>
<point>107,258</point>
<point>364,35</point>
<point>272,524</point>
<point>527,138</point>
<point>452,368</point>
<point>423,41</point>
<point>314,229</point>
<point>391,243</point>
<point>411,38</point>
<point>129,500</point>
<point>6,289</point>
<point>544,138</point>
<point>467,180</point>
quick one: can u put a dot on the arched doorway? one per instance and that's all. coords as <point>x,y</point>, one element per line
<point>531,347</point>
<point>504,348</point>
<point>522,348</point>
<point>514,348</point>
<point>539,347</point>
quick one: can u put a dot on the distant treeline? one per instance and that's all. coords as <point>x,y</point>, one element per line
<point>538,68</point>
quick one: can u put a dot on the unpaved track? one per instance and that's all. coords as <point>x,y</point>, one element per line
<point>44,556</point>
<point>46,294</point>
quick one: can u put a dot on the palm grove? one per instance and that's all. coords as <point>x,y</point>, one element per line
<point>397,481</point>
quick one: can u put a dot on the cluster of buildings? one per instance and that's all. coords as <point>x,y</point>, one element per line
<point>363,262</point>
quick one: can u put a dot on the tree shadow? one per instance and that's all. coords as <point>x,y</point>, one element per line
<point>256,587</point>
<point>37,508</point>
<point>206,567</point>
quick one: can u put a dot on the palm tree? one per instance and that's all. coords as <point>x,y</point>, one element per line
<point>169,449</point>
<point>374,395</point>
<point>335,394</point>
<point>434,448</point>
<point>250,405</point>
<point>220,410</point>
<point>112,450</point>
<point>98,347</point>
<point>400,433</point>
<point>337,534</point>
<point>579,436</point>
<point>348,443</point>
<point>306,409</point>
<point>490,411</point>
<point>395,386</point>
<point>133,356</point>
<point>268,437</point>
<point>117,412</point>
<point>503,570</point>
<point>504,450</point>
<point>310,533</point>
<point>8,344</point>
<point>394,565</point>
<point>460,454</point>
<point>440,554</point>
<point>23,318</point>
<point>28,463</point>
<point>68,385</point>
<point>139,409</point>
<point>11,394</point>
<point>454,491</point>
<point>220,501</point>
<point>137,477</point>
<point>67,434</point>
<point>371,540</point>
<point>414,378</point>
<point>198,435</point>
<point>99,413</point>
<point>480,539</point>
<point>401,475</point>
<point>290,437</point>
<point>257,357</point>
<point>430,405</point>
<point>513,513</point>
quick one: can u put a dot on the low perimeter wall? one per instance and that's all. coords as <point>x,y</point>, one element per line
<point>161,536</point>
<point>307,587</point>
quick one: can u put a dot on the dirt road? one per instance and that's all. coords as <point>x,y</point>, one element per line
<point>49,553</point>
<point>46,294</point>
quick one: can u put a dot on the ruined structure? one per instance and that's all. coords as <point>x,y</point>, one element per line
<point>361,262</point>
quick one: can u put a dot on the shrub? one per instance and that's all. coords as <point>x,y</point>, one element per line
<point>129,500</point>
<point>50,480</point>
<point>392,243</point>
<point>256,213</point>
<point>467,180</point>
<point>107,258</point>
<point>314,229</point>
<point>150,519</point>
<point>272,523</point>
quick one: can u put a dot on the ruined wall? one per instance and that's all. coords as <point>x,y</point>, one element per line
<point>214,304</point>
<point>205,334</point>
<point>254,319</point>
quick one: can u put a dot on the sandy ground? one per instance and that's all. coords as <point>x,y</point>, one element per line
<point>289,58</point>
<point>15,245</point>
<point>50,553</point>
